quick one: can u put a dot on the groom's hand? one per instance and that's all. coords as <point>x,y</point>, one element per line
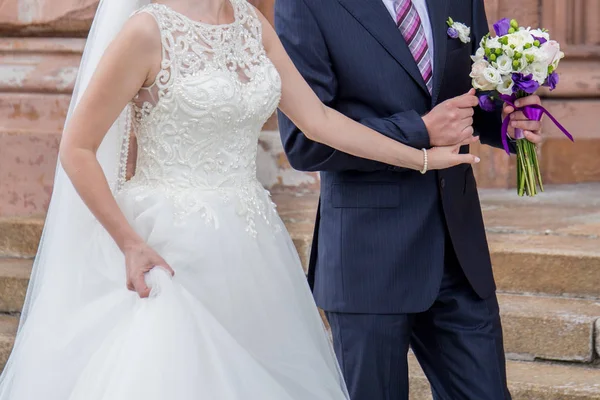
<point>531,129</point>
<point>451,122</point>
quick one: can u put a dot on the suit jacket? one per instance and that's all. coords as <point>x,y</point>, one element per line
<point>382,231</point>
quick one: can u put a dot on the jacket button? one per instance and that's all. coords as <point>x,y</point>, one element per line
<point>442,183</point>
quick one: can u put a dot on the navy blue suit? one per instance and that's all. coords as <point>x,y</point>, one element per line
<point>398,257</point>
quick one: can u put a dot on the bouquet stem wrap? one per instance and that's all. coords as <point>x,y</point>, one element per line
<point>529,178</point>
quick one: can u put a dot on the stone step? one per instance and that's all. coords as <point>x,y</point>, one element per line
<point>19,237</point>
<point>546,245</point>
<point>534,327</point>
<point>14,278</point>
<point>530,381</point>
<point>8,329</point>
<point>527,380</point>
<point>549,328</point>
<point>546,264</point>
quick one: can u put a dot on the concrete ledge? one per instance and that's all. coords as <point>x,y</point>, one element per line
<point>8,329</point>
<point>14,278</point>
<point>531,381</point>
<point>549,328</point>
<point>19,237</point>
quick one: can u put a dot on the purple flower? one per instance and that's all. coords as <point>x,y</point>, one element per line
<point>524,83</point>
<point>552,80</point>
<point>486,103</point>
<point>542,40</point>
<point>453,33</point>
<point>501,27</point>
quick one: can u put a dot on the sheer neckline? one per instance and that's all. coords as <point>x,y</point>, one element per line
<point>205,24</point>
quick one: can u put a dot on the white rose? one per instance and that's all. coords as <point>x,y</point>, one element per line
<point>504,65</point>
<point>538,55</point>
<point>478,68</point>
<point>482,84</point>
<point>506,87</point>
<point>477,73</point>
<point>539,71</point>
<point>515,40</point>
<point>492,76</point>
<point>464,32</point>
<point>478,55</point>
<point>519,39</point>
<point>523,64</point>
<point>551,50</point>
<point>526,36</point>
<point>493,43</point>
<point>508,51</point>
<point>559,57</point>
<point>540,33</point>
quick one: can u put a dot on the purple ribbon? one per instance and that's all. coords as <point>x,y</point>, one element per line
<point>533,112</point>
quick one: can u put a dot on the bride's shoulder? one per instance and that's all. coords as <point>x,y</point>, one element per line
<point>141,31</point>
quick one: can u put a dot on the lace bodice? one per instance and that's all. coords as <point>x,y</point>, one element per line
<point>198,126</point>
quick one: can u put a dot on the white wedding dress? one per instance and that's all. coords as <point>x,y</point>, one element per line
<point>237,322</point>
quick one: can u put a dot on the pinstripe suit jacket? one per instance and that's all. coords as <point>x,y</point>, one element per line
<point>381,231</point>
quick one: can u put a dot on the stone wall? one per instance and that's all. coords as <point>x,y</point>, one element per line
<point>41,43</point>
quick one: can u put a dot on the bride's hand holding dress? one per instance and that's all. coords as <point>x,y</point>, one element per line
<point>128,64</point>
<point>139,260</point>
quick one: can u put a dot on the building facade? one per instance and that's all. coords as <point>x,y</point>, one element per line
<point>41,42</point>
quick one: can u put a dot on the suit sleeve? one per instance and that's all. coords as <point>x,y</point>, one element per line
<point>306,46</point>
<point>487,125</point>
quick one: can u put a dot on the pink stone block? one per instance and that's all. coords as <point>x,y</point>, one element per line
<point>41,16</point>
<point>39,65</point>
<point>37,112</point>
<point>27,166</point>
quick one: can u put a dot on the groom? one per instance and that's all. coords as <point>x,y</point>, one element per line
<point>400,259</point>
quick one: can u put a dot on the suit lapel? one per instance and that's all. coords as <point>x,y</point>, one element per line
<point>437,15</point>
<point>375,18</point>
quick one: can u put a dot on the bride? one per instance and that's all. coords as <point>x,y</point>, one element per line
<point>217,306</point>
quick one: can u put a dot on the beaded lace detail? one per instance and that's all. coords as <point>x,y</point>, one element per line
<point>215,91</point>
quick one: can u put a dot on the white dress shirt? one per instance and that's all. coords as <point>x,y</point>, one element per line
<point>421,6</point>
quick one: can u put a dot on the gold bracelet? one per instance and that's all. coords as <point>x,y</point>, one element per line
<point>424,170</point>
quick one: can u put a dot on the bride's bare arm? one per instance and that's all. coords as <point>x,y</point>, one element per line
<point>126,66</point>
<point>325,125</point>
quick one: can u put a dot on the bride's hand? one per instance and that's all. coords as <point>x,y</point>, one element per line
<point>139,260</point>
<point>449,156</point>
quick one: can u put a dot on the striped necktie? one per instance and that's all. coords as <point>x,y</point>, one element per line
<point>409,23</point>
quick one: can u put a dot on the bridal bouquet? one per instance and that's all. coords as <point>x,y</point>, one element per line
<point>513,64</point>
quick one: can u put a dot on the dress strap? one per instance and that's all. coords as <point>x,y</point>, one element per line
<point>164,21</point>
<point>249,18</point>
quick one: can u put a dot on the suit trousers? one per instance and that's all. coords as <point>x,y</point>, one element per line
<point>457,341</point>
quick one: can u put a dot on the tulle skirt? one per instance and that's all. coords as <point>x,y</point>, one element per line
<point>236,322</point>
